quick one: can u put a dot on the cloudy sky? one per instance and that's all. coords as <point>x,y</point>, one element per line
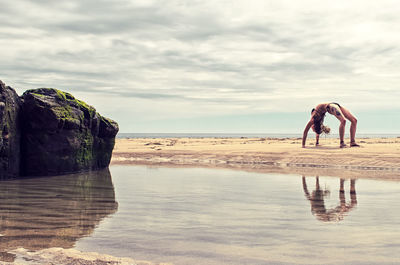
<point>209,66</point>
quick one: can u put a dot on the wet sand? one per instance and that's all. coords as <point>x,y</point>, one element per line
<point>376,158</point>
<point>61,256</point>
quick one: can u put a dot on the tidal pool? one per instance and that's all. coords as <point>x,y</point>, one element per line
<point>205,216</point>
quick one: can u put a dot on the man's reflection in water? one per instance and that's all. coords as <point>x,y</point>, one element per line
<point>47,212</point>
<point>317,201</point>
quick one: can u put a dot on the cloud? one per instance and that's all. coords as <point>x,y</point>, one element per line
<point>205,56</point>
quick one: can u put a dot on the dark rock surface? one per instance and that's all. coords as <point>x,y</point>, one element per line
<point>62,134</point>
<point>10,133</point>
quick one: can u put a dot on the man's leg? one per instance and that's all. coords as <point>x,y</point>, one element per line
<point>341,132</point>
<point>337,112</point>
<point>353,127</point>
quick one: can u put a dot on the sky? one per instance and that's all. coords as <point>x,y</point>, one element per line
<point>237,66</point>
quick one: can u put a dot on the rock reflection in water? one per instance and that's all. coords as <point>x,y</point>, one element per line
<point>317,201</point>
<point>56,211</point>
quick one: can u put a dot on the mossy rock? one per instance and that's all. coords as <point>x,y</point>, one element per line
<point>62,134</point>
<point>10,132</point>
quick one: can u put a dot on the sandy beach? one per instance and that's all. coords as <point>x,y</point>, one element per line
<point>376,158</point>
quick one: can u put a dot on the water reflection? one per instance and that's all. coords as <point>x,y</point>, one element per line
<point>317,201</point>
<point>56,211</point>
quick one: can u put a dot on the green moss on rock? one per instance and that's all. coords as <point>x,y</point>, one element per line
<point>10,132</point>
<point>69,134</point>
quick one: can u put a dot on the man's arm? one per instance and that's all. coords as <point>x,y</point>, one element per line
<point>308,126</point>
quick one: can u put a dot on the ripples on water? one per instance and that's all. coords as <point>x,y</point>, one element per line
<point>40,213</point>
<point>205,216</point>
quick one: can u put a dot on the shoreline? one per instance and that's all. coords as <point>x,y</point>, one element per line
<point>376,158</point>
<point>65,256</point>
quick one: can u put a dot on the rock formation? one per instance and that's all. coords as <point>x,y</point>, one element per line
<point>10,133</point>
<point>62,134</point>
<point>50,132</point>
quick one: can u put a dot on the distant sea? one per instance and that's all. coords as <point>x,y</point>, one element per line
<point>246,135</point>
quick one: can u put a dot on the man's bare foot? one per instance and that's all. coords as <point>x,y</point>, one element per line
<point>353,144</point>
<point>343,145</point>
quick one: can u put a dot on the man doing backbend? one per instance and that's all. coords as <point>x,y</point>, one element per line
<point>341,113</point>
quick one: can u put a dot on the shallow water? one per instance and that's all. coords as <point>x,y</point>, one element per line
<point>205,216</point>
<point>41,213</point>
